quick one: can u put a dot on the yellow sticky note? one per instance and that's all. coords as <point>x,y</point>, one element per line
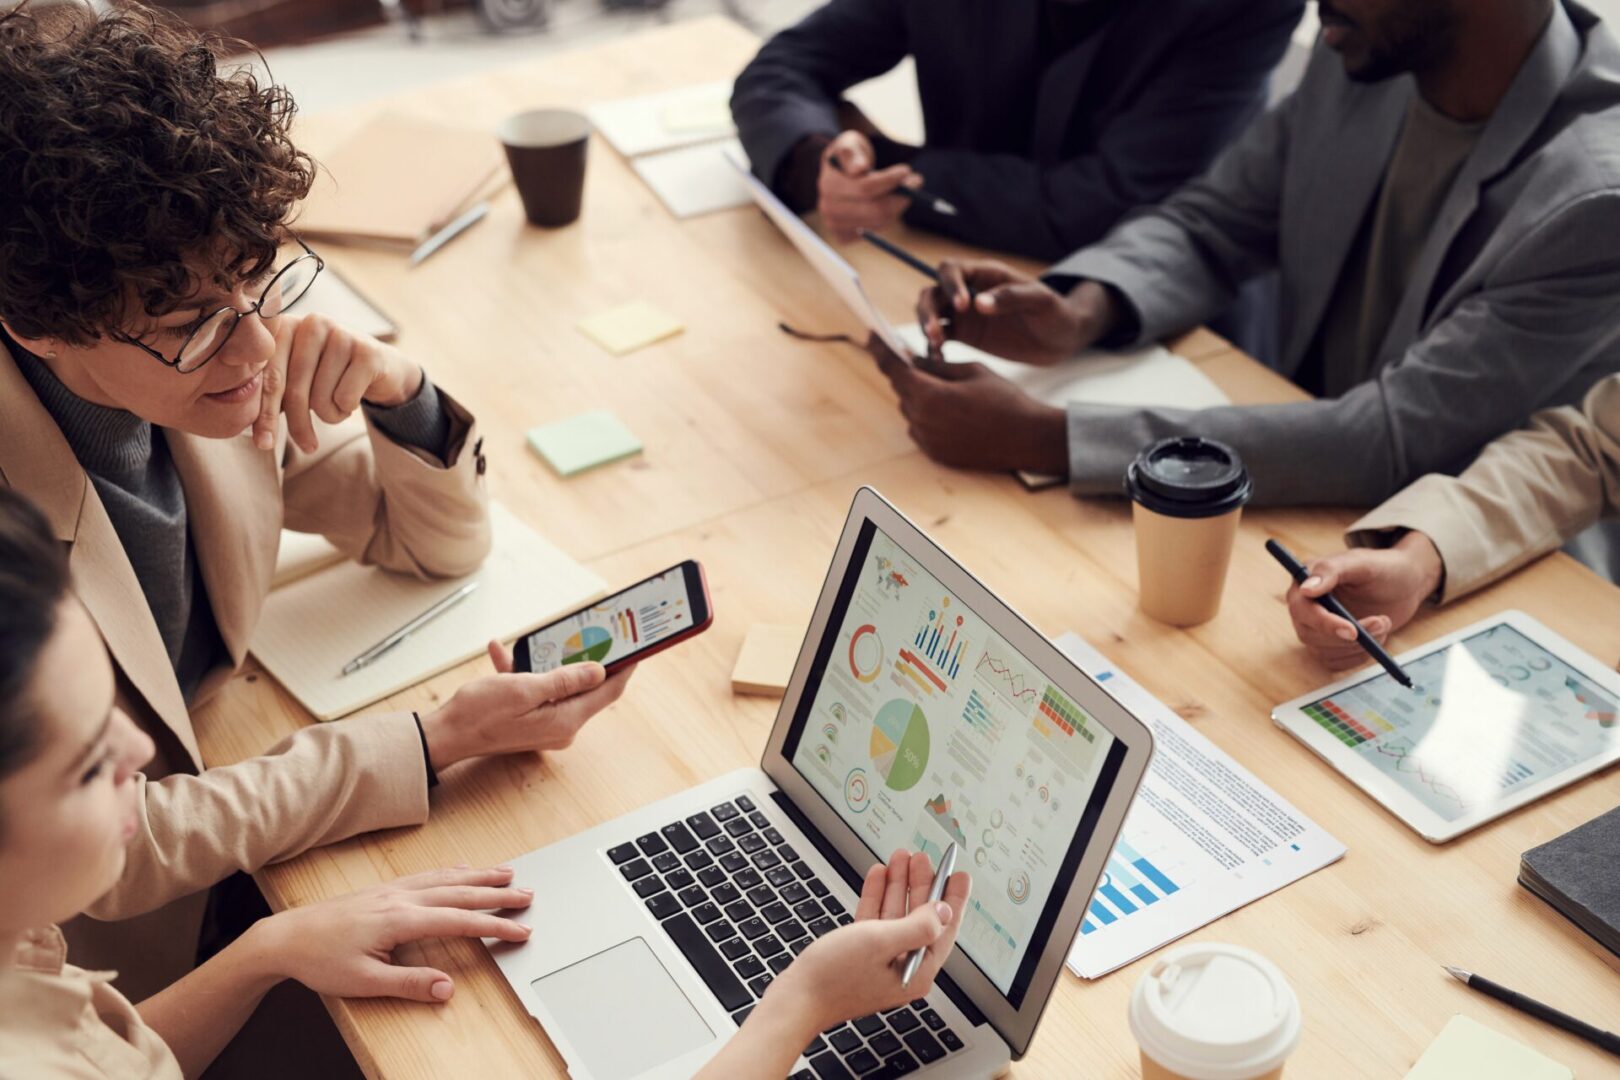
<point>701,114</point>
<point>629,327</point>
<point>765,664</point>
<point>1467,1048</point>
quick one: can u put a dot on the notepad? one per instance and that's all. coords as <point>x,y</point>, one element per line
<point>707,115</point>
<point>765,664</point>
<point>629,327</point>
<point>694,180</point>
<point>1468,1049</point>
<point>663,121</point>
<point>583,442</point>
<point>314,625</point>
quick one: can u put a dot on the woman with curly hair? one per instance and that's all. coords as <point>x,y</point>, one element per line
<point>170,415</point>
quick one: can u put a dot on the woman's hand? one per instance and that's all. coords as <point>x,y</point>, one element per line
<point>1383,588</point>
<point>320,369</point>
<point>994,308</point>
<point>344,946</point>
<point>512,712</point>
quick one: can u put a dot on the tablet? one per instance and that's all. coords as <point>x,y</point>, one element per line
<point>1503,712</point>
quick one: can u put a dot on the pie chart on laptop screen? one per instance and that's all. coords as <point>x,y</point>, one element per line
<point>899,745</point>
<point>590,643</point>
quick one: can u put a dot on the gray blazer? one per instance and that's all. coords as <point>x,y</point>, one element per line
<point>1514,304</point>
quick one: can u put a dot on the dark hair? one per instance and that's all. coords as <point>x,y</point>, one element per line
<point>33,584</point>
<point>132,168</point>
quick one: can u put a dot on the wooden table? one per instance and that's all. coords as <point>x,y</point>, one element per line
<point>755,445</point>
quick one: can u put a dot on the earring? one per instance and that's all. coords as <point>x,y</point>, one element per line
<point>51,355</point>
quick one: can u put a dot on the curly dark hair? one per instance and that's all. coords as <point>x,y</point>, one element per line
<point>134,170</point>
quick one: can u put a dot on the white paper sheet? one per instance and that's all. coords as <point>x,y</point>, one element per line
<point>646,125</point>
<point>1203,838</point>
<point>695,180</point>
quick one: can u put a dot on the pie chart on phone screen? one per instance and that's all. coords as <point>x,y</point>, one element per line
<point>590,643</point>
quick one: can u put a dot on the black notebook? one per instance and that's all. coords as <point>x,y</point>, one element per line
<point>1579,875</point>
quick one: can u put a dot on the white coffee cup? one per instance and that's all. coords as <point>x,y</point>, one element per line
<point>1214,1012</point>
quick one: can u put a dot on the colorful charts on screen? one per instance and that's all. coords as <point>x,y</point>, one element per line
<point>590,643</point>
<point>899,745</point>
<point>865,653</point>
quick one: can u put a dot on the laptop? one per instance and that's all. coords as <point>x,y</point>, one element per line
<point>922,710</point>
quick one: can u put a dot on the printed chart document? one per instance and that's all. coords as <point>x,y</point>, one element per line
<point>1203,838</point>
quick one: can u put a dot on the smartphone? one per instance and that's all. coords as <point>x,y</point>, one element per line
<point>630,625</point>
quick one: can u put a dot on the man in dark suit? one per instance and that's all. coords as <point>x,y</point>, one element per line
<point>1047,120</point>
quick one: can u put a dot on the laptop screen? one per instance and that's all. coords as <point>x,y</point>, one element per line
<point>920,726</point>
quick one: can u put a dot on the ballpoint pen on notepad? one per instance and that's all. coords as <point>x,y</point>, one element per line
<point>377,650</point>
<point>920,196</point>
<point>947,867</point>
<point>1608,1040</point>
<point>460,225</point>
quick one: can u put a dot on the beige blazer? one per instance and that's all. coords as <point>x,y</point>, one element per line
<point>60,1021</point>
<point>379,502</point>
<point>1526,495</point>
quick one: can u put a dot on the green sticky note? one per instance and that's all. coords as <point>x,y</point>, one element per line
<point>583,442</point>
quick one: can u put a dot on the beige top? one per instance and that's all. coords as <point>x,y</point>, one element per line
<point>57,1020</point>
<point>1526,494</point>
<point>1426,161</point>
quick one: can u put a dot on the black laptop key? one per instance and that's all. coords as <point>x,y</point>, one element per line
<point>769,945</point>
<point>693,896</point>
<point>737,826</point>
<point>897,1008</point>
<point>651,844</point>
<point>746,803</point>
<point>622,854</point>
<point>699,860</point>
<point>635,868</point>
<point>720,930</point>
<point>795,893</point>
<point>869,1025</point>
<point>823,926</point>
<point>750,966</point>
<point>863,1061</point>
<point>747,878</point>
<point>779,963</point>
<point>949,1038</point>
<point>741,1014</point>
<point>802,868</point>
<point>902,1064</point>
<point>903,1022</point>
<point>774,836</point>
<point>845,1041</point>
<point>779,876</point>
<point>832,905</point>
<point>760,821</point>
<point>800,945</point>
<point>775,913</point>
<point>751,843</point>
<point>791,930</point>
<point>787,853</point>
<point>760,895</point>
<point>817,887</point>
<point>709,965</point>
<point>807,910</point>
<point>702,825</point>
<point>753,928</point>
<point>803,1074</point>
<point>711,876</point>
<point>885,1045</point>
<point>933,1020</point>
<point>679,836</point>
<point>647,886</point>
<point>739,911</point>
<point>817,1046</point>
<point>666,861</point>
<point>925,1046</point>
<point>724,812</point>
<point>680,879</point>
<point>920,1004</point>
<point>828,1067</point>
<point>766,859</point>
<point>734,948</point>
<point>727,894</point>
<point>844,920</point>
<point>758,985</point>
<point>733,862</point>
<point>705,913</point>
<point>720,845</point>
<point>663,906</point>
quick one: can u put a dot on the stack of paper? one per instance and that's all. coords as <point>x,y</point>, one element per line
<point>677,142</point>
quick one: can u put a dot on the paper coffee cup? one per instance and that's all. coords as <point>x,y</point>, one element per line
<point>1214,1012</point>
<point>546,151</point>
<point>1187,495</point>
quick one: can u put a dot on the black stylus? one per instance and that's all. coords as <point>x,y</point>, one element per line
<point>1608,1040</point>
<point>1331,602</point>
<point>899,252</point>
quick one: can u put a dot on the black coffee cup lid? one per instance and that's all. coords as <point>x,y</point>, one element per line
<point>1188,477</point>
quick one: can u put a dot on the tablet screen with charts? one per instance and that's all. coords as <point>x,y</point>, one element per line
<point>1502,713</point>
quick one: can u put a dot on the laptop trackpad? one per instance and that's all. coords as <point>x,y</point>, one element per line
<point>622,1011</point>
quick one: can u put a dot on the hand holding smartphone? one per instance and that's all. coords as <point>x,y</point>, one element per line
<point>632,624</point>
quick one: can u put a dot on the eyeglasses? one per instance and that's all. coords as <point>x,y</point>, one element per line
<point>289,285</point>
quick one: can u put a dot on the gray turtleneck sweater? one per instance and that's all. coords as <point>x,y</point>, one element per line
<point>133,473</point>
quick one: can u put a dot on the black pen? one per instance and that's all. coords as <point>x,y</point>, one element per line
<point>921,196</point>
<point>900,253</point>
<point>1331,603</point>
<point>1608,1040</point>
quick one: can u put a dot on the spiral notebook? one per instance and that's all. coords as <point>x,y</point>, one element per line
<point>324,610</point>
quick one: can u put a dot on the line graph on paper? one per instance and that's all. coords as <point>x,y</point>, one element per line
<point>1009,678</point>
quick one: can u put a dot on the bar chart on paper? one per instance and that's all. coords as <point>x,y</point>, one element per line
<point>1131,883</point>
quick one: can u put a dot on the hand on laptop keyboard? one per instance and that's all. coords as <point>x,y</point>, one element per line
<point>853,974</point>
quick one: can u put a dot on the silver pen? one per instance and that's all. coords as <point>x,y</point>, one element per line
<point>444,605</point>
<point>947,866</point>
<point>450,232</point>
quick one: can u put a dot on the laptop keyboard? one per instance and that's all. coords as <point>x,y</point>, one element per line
<point>740,903</point>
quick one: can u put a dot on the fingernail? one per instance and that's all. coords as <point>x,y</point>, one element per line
<point>264,440</point>
<point>527,929</point>
<point>463,866</point>
<point>1312,582</point>
<point>1347,634</point>
<point>504,868</point>
<point>443,989</point>
<point>943,910</point>
<point>526,892</point>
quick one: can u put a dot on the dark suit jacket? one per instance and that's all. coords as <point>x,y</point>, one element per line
<point>1038,162</point>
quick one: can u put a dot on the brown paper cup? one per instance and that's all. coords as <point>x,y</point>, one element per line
<point>1181,564</point>
<point>546,151</point>
<point>1152,1070</point>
